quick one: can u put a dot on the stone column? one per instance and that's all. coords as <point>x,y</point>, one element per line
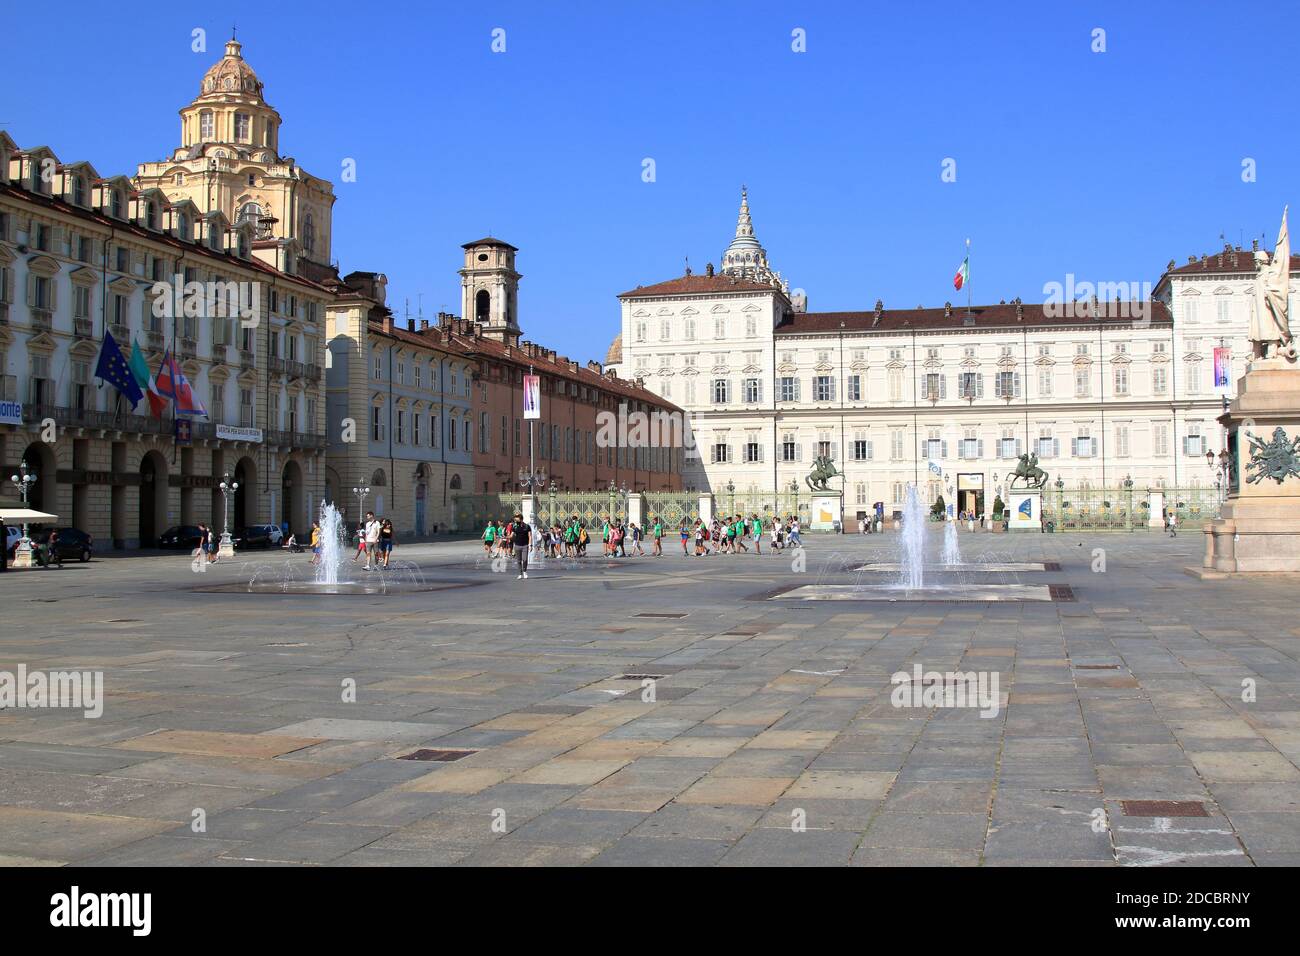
<point>706,507</point>
<point>528,508</point>
<point>634,507</point>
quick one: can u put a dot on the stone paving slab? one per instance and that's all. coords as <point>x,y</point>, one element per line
<point>773,736</point>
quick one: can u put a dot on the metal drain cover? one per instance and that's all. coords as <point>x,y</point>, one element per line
<point>1163,808</point>
<point>442,756</point>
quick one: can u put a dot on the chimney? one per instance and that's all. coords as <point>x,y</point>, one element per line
<point>947,310</point>
<point>593,366</point>
<point>410,324</point>
<point>424,325</point>
<point>388,322</point>
<point>880,307</point>
<point>708,269</point>
<point>1254,245</point>
<point>1020,310</point>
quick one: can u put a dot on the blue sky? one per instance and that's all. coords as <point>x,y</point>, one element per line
<point>1105,165</point>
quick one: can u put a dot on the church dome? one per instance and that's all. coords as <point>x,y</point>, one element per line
<point>231,74</point>
<point>615,354</point>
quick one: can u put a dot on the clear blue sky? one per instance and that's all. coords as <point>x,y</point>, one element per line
<point>1106,165</point>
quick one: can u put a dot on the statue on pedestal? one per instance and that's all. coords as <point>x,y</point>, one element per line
<point>1027,469</point>
<point>1269,324</point>
<point>823,471</point>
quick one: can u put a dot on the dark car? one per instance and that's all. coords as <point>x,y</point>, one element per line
<point>186,536</point>
<point>74,543</point>
<point>256,536</point>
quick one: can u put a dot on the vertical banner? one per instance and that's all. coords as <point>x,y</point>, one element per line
<point>532,396</point>
<point>1222,367</point>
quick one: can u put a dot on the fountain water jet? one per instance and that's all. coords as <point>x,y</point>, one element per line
<point>912,557</point>
<point>331,545</point>
<point>951,549</point>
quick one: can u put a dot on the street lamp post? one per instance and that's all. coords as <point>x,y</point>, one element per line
<point>361,502</point>
<point>228,488</point>
<point>23,480</point>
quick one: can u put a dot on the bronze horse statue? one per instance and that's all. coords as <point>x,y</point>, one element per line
<point>1027,468</point>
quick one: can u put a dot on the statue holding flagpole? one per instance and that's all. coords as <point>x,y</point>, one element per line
<point>1269,324</point>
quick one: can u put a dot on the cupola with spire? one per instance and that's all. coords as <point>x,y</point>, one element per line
<point>746,258</point>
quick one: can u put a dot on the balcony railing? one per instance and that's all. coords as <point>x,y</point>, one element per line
<point>247,359</point>
<point>83,328</point>
<point>66,417</point>
<point>42,319</point>
<point>294,439</point>
<point>276,365</point>
<point>154,340</point>
<point>4,313</point>
<point>313,373</point>
<point>219,354</point>
<point>188,349</point>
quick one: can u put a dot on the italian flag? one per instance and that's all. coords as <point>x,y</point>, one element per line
<point>963,274</point>
<point>140,371</point>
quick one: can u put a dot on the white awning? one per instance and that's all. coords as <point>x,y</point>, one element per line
<point>19,515</point>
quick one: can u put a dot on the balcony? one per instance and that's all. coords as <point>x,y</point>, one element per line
<point>247,359</point>
<point>83,328</point>
<point>188,349</point>
<point>313,373</point>
<point>42,320</point>
<point>4,313</point>
<point>122,334</point>
<point>219,354</point>
<point>276,365</point>
<point>295,440</point>
<point>154,340</point>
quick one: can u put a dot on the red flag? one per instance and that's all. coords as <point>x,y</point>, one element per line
<point>173,384</point>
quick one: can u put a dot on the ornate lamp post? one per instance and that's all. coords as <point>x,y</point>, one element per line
<point>23,480</point>
<point>551,489</point>
<point>731,497</point>
<point>228,488</point>
<point>361,494</point>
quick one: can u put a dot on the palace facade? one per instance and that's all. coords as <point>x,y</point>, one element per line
<point>947,398</point>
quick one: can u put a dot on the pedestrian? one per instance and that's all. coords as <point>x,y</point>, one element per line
<point>520,535</point>
<point>636,538</point>
<point>361,542</point>
<point>489,536</point>
<point>700,533</point>
<point>795,540</point>
<point>1173,524</point>
<point>315,542</point>
<point>386,541</point>
<point>685,533</point>
<point>756,526</point>
<point>52,555</point>
<point>658,551</point>
<point>372,541</point>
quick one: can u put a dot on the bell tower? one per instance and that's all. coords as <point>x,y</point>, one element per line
<point>490,288</point>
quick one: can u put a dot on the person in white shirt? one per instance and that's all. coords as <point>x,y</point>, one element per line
<point>372,539</point>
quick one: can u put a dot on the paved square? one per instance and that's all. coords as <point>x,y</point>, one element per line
<point>758,728</point>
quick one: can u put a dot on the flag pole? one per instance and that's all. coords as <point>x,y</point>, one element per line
<point>968,277</point>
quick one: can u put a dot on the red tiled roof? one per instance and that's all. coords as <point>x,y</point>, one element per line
<point>1001,316</point>
<point>1221,263</point>
<point>121,226</point>
<point>698,285</point>
<point>472,347</point>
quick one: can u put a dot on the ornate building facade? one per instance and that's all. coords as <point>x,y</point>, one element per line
<point>945,397</point>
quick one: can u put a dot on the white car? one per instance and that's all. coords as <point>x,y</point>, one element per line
<point>272,531</point>
<point>12,537</point>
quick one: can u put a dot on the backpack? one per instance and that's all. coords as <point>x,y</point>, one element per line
<point>582,536</point>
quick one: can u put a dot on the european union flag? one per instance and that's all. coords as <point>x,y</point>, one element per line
<point>112,368</point>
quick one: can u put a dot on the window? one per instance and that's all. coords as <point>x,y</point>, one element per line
<point>721,391</point>
<point>242,128</point>
<point>376,423</point>
<point>451,436</point>
<point>123,256</point>
<point>665,330</point>
<point>1008,385</point>
<point>483,436</point>
<point>753,450</point>
<point>861,446</point>
<point>897,444</point>
<point>751,327</point>
<point>505,435</point>
<point>1045,382</point>
<point>970,385</point>
<point>860,492</point>
<point>401,426</point>
<point>688,330</point>
<point>1194,442</point>
<point>1160,439</point>
<point>416,417</point>
<point>1121,380</point>
<point>1048,446</point>
<point>80,302</point>
<point>753,391</point>
<point>934,447</point>
<point>206,129</point>
<point>823,388</point>
<point>379,365</point>
<point>719,328</point>
<point>218,404</point>
<point>1085,446</point>
<point>1008,444</point>
<point>789,447</point>
<point>39,390</point>
<point>933,387</point>
<point>1160,380</point>
<point>274,411</point>
<point>1223,308</point>
<point>1082,382</point>
<point>1121,441</point>
<point>855,388</point>
<point>640,330</point>
<point>721,453</point>
<point>972,447</point>
<point>788,389</point>
<point>895,384</point>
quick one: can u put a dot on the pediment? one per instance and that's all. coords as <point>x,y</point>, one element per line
<point>690,311</point>
<point>640,314</point>
<point>1044,360</point>
<point>1120,358</point>
<point>785,368</point>
<point>1081,360</point>
<point>690,370</point>
<point>43,265</point>
<point>248,377</point>
<point>824,367</point>
<point>664,310</point>
<point>895,364</point>
<point>752,369</point>
<point>751,308</point>
<point>84,276</point>
<point>1007,363</point>
<point>83,348</point>
<point>122,285</point>
<point>719,308</point>
<point>218,374</point>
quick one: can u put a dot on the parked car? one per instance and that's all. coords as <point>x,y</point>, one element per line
<point>254,536</point>
<point>183,537</point>
<point>72,543</point>
<point>12,537</point>
<point>272,531</point>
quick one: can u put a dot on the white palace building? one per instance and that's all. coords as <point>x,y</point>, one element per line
<point>1101,391</point>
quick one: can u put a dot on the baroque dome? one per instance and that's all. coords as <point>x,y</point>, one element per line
<point>615,354</point>
<point>231,74</point>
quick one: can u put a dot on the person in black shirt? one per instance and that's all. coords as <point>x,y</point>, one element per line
<point>520,535</point>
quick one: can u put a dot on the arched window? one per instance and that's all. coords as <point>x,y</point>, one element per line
<point>309,234</point>
<point>378,479</point>
<point>454,484</point>
<point>482,305</point>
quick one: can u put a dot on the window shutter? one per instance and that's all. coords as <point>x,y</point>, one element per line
<point>925,450</point>
<point>798,451</point>
<point>1074,447</point>
<point>1015,379</point>
<point>979,386</point>
<point>921,387</point>
<point>943,387</point>
<point>1056,448</point>
<point>31,290</point>
<point>1186,446</point>
<point>835,450</point>
<point>870,451</point>
<point>1018,452</point>
<point>943,450</point>
<point>832,389</point>
<point>979,448</point>
<point>796,389</point>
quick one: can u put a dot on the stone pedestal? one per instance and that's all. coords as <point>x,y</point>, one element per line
<point>23,553</point>
<point>1259,530</point>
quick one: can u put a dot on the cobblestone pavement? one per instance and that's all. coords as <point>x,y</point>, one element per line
<point>771,735</point>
